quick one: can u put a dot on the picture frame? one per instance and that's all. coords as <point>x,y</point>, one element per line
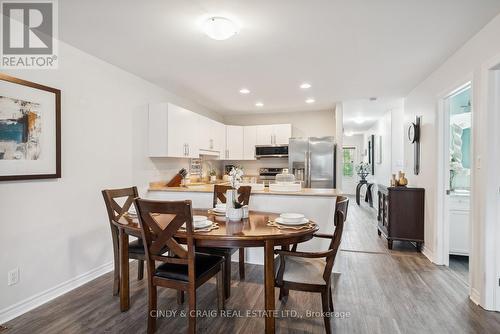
<point>30,130</point>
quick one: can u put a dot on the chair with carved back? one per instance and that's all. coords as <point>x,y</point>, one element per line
<point>311,271</point>
<point>183,269</point>
<point>220,196</point>
<point>115,212</point>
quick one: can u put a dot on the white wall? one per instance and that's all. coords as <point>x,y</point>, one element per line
<point>304,124</point>
<point>57,230</point>
<point>464,65</point>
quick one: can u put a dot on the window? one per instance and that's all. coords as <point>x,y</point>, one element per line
<point>348,160</point>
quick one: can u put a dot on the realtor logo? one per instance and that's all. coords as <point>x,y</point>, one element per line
<point>29,34</point>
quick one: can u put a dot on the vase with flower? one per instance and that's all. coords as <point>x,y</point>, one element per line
<point>234,209</point>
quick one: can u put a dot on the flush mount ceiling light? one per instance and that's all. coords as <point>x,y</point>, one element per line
<point>244,91</point>
<point>259,104</point>
<point>220,28</point>
<point>305,85</point>
<point>310,100</point>
<point>359,120</point>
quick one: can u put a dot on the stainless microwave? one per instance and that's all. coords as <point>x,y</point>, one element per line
<point>271,151</point>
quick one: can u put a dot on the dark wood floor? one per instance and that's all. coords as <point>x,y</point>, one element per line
<point>376,291</point>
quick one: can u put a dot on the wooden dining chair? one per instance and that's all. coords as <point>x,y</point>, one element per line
<point>220,196</point>
<point>184,269</point>
<point>311,271</point>
<point>115,212</point>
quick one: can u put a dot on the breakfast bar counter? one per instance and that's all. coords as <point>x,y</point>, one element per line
<point>316,204</point>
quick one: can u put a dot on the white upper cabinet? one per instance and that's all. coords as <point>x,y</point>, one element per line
<point>179,133</point>
<point>249,142</point>
<point>275,134</point>
<point>234,142</point>
<point>212,137</point>
<point>173,131</point>
<point>282,133</point>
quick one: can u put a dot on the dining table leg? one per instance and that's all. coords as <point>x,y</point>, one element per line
<point>269,286</point>
<point>124,271</point>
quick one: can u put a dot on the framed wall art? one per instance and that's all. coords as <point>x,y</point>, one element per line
<point>30,130</point>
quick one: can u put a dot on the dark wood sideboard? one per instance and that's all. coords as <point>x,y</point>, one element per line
<point>401,214</point>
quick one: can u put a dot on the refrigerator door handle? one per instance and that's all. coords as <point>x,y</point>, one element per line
<point>308,169</point>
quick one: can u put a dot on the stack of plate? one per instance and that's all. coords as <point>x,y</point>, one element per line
<point>292,219</point>
<point>200,222</point>
<point>220,209</point>
<point>131,212</point>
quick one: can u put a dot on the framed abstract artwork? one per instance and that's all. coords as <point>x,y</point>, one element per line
<point>30,130</point>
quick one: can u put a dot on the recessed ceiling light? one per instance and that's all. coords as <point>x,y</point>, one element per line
<point>220,28</point>
<point>359,120</point>
<point>310,100</point>
<point>305,85</point>
<point>259,104</point>
<point>244,91</point>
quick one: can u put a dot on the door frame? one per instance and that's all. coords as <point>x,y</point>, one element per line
<point>442,205</point>
<point>489,291</point>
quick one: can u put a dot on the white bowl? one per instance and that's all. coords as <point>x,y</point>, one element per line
<point>291,218</point>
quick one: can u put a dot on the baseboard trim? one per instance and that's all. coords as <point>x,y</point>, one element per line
<point>475,297</point>
<point>43,297</point>
<point>428,253</point>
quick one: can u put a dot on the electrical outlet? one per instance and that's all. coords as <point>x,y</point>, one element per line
<point>13,276</point>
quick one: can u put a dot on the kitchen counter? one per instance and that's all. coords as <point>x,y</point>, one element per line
<point>209,188</point>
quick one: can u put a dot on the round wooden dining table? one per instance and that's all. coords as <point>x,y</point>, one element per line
<point>254,231</point>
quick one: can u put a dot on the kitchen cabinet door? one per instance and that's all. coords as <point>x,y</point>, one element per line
<point>219,138</point>
<point>182,132</point>
<point>234,142</point>
<point>282,133</point>
<point>157,130</point>
<point>249,142</point>
<point>205,136</point>
<point>265,135</point>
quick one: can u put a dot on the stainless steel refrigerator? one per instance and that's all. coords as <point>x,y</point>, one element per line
<point>312,160</point>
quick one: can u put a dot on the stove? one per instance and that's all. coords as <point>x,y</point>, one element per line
<point>268,175</point>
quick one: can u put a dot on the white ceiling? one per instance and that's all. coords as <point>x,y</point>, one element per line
<point>347,49</point>
<point>369,112</point>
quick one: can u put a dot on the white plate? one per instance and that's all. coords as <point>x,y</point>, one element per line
<point>200,224</point>
<point>219,210</point>
<point>292,218</point>
<point>220,206</point>
<point>199,219</point>
<point>280,221</point>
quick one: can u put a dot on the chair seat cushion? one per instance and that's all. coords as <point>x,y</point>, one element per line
<point>216,250</point>
<point>136,247</point>
<point>304,270</point>
<point>203,264</point>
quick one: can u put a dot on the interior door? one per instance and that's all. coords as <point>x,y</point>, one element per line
<point>322,162</point>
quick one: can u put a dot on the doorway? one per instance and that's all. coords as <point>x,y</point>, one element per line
<point>457,162</point>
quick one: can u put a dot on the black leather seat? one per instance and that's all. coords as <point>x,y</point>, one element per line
<point>136,247</point>
<point>203,263</point>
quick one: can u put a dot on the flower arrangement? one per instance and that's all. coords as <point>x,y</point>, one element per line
<point>363,169</point>
<point>235,178</point>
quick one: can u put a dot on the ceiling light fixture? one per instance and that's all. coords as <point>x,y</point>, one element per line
<point>305,85</point>
<point>349,133</point>
<point>244,91</point>
<point>359,120</point>
<point>259,104</point>
<point>220,28</point>
<point>310,100</point>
